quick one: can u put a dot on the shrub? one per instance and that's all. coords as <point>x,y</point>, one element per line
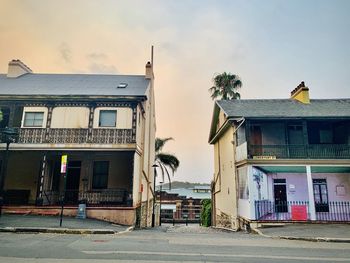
<point>206,212</point>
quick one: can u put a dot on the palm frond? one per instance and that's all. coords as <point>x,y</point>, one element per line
<point>159,143</point>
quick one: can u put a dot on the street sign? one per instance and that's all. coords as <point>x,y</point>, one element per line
<point>64,164</point>
<point>299,212</point>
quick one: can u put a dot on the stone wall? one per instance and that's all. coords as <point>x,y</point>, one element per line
<point>226,221</point>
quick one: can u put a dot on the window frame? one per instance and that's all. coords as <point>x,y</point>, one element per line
<point>107,126</point>
<point>34,119</point>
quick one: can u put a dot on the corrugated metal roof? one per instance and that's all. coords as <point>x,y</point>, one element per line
<point>74,84</point>
<point>288,108</point>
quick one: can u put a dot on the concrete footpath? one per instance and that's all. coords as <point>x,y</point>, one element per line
<point>51,224</point>
<point>308,232</point>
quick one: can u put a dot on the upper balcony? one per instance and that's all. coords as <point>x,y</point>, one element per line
<point>311,151</point>
<point>75,136</point>
<point>293,139</point>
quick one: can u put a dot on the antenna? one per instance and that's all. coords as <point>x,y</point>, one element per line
<point>152,55</point>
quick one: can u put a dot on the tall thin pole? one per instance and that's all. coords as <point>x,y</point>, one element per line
<point>154,193</point>
<point>64,173</point>
<point>160,204</point>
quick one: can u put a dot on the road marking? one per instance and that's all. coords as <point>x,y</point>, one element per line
<point>214,255</point>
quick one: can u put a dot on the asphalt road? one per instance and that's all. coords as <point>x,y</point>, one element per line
<point>166,245</point>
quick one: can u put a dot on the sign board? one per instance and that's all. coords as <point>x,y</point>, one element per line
<point>299,212</point>
<point>64,164</point>
<point>263,157</point>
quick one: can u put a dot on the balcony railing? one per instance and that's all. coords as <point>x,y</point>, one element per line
<point>75,136</point>
<point>311,151</point>
<point>266,210</point>
<point>105,197</point>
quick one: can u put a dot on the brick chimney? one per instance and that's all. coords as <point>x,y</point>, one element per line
<point>149,71</point>
<point>17,68</point>
<point>301,93</point>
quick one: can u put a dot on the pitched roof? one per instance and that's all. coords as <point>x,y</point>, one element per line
<point>74,84</point>
<point>285,108</point>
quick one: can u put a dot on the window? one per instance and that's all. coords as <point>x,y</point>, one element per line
<point>33,119</point>
<point>100,176</point>
<point>243,183</point>
<point>108,118</point>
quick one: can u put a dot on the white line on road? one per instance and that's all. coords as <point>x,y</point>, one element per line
<point>91,252</point>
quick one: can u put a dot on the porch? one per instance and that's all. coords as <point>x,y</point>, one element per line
<point>295,193</point>
<point>96,178</point>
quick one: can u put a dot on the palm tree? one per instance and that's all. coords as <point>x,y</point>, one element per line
<point>226,86</point>
<point>165,160</point>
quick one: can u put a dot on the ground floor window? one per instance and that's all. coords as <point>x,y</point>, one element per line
<point>320,195</point>
<point>243,183</point>
<point>100,176</point>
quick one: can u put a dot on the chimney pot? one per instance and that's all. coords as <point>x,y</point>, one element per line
<point>301,93</point>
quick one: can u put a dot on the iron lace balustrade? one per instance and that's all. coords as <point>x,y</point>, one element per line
<point>75,136</point>
<point>296,151</point>
<point>104,197</point>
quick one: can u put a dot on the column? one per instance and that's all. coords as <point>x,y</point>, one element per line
<point>310,189</point>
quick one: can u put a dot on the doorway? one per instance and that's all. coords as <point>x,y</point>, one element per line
<point>280,194</point>
<point>256,140</point>
<point>73,181</point>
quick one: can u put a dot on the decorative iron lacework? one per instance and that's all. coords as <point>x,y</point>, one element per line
<point>112,136</point>
<point>75,136</point>
<point>28,135</point>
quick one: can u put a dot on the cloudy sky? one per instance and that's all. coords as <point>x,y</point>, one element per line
<point>271,45</point>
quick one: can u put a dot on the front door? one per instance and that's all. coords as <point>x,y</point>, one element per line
<point>280,193</point>
<point>296,141</point>
<point>256,140</point>
<point>321,195</point>
<point>73,180</point>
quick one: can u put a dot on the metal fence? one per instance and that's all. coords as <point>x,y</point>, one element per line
<point>108,197</point>
<point>296,151</point>
<point>266,210</point>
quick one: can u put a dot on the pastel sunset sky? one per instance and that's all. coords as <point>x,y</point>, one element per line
<point>271,45</point>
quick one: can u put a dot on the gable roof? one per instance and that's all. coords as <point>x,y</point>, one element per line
<point>274,109</point>
<point>285,108</point>
<point>73,84</point>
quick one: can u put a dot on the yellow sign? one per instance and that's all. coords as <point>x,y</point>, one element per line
<point>64,164</point>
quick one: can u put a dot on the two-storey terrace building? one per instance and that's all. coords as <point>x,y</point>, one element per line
<point>281,160</point>
<point>105,124</point>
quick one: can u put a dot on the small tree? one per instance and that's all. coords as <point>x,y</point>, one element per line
<point>206,212</point>
<point>226,87</point>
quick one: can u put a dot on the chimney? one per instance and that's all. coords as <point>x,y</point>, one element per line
<point>149,71</point>
<point>301,93</point>
<point>17,68</point>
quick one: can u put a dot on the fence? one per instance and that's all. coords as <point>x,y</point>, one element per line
<point>266,210</point>
<point>108,197</point>
<point>310,151</point>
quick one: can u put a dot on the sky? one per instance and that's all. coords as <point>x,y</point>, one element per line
<point>271,45</point>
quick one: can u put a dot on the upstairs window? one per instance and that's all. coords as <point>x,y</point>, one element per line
<point>33,119</point>
<point>108,118</point>
<point>100,176</point>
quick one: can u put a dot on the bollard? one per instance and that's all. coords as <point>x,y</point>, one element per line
<point>173,222</point>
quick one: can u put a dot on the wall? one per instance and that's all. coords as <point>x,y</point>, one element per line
<point>70,117</point>
<point>22,172</point>
<point>334,180</point>
<point>225,197</point>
